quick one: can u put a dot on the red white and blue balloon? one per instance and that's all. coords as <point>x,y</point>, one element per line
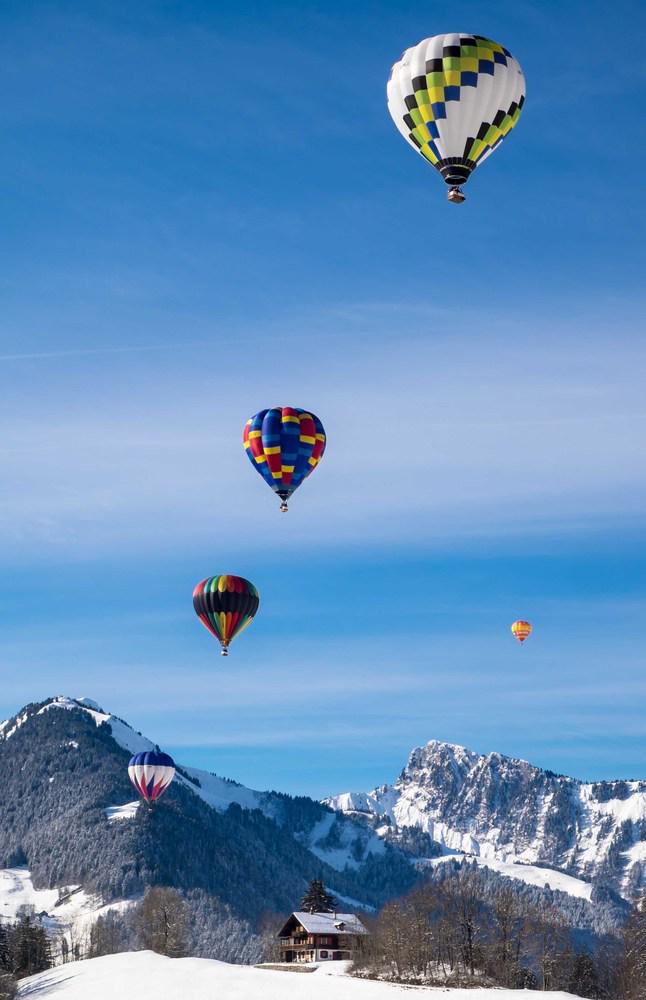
<point>151,772</point>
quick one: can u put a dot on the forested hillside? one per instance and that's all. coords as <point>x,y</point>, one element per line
<point>61,769</point>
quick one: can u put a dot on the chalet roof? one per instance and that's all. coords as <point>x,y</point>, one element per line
<point>330,923</point>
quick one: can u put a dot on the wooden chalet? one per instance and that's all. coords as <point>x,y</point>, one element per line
<point>319,937</point>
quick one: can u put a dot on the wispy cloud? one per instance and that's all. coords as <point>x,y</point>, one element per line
<point>421,440</point>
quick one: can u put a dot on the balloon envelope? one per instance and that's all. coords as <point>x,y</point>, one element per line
<point>284,444</point>
<point>454,98</point>
<point>151,772</point>
<point>225,605</point>
<point>521,630</point>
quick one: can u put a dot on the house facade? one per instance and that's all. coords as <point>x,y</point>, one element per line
<point>319,937</point>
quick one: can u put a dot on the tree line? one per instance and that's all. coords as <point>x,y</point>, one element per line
<point>458,932</point>
<point>455,932</point>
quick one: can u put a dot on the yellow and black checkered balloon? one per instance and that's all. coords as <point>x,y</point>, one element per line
<point>454,98</point>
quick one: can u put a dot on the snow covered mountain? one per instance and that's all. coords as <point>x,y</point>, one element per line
<point>74,841</point>
<point>69,820</point>
<point>504,810</point>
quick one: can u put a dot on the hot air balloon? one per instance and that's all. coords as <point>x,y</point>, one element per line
<point>521,630</point>
<point>284,445</point>
<point>225,605</point>
<point>151,772</point>
<point>454,98</point>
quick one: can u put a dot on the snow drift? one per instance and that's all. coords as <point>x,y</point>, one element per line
<point>147,976</point>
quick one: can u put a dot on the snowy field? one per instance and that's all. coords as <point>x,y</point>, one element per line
<point>150,977</point>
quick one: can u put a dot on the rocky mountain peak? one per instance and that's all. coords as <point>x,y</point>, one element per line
<point>504,808</point>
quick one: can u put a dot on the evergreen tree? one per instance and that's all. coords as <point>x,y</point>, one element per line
<point>317,899</point>
<point>584,981</point>
<point>215,932</point>
<point>4,948</point>
<point>8,986</point>
<point>29,948</point>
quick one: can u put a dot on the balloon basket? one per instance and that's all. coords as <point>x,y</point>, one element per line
<point>456,195</point>
<point>224,651</point>
<point>283,507</point>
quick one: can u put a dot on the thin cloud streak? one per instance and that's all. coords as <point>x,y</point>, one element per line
<point>81,352</point>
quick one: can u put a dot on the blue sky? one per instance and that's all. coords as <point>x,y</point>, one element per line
<point>207,210</point>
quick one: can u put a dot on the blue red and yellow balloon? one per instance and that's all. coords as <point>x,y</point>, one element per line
<point>284,444</point>
<point>225,605</point>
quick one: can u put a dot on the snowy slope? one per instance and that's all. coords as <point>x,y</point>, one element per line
<point>339,854</point>
<point>127,811</point>
<point>505,810</point>
<point>124,734</point>
<point>530,874</point>
<point>68,912</point>
<point>147,976</point>
<point>216,792</point>
<point>219,793</point>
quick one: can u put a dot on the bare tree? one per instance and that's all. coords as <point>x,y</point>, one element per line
<point>108,936</point>
<point>453,931</point>
<point>392,936</point>
<point>633,971</point>
<point>506,939</point>
<point>421,935</point>
<point>161,922</point>
<point>462,908</point>
<point>78,944</point>
<point>549,941</point>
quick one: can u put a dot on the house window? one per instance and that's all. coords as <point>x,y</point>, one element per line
<point>323,954</point>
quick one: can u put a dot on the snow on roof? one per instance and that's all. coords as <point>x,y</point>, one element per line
<point>328,923</point>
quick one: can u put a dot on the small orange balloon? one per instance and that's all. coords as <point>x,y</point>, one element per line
<point>521,630</point>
